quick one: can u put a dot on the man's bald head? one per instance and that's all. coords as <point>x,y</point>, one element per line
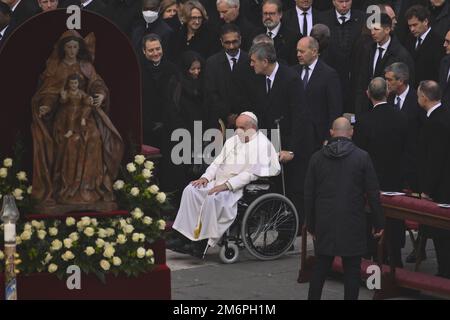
<point>377,90</point>
<point>341,128</point>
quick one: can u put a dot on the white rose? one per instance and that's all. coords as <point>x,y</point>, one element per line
<point>140,253</point>
<point>152,260</point>
<point>2,255</point>
<point>141,237</point>
<point>26,235</point>
<point>102,233</point>
<point>30,190</point>
<point>147,174</point>
<point>68,243</point>
<point>135,237</point>
<point>68,255</point>
<point>149,253</point>
<point>27,226</point>
<point>85,221</point>
<point>18,240</point>
<point>89,251</point>
<point>137,213</point>
<point>21,176</point>
<point>36,224</point>
<point>52,268</point>
<point>100,243</point>
<point>70,221</point>
<point>129,220</point>
<point>89,232</point>
<point>117,261</point>
<point>8,162</point>
<point>147,220</point>
<point>105,265</point>
<point>118,185</point>
<point>128,228</point>
<point>109,252</point>
<point>56,245</point>
<point>110,232</point>
<point>153,189</point>
<point>149,165</point>
<point>161,224</point>
<point>123,223</point>
<point>53,231</point>
<point>161,197</point>
<point>131,167</point>
<point>139,159</point>
<point>48,258</point>
<point>121,239</point>
<point>74,236</point>
<point>42,234</point>
<point>3,173</point>
<point>94,222</point>
<point>134,191</point>
<point>17,193</point>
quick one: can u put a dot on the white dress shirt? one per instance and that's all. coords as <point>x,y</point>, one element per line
<point>15,6</point>
<point>311,69</point>
<point>422,37</point>
<point>347,16</point>
<point>230,61</point>
<point>2,32</point>
<point>402,98</point>
<point>309,19</point>
<point>86,3</point>
<point>385,47</point>
<point>274,30</point>
<point>272,75</point>
<point>429,112</point>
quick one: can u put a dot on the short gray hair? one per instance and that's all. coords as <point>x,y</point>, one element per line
<point>230,3</point>
<point>262,38</point>
<point>400,71</point>
<point>378,89</point>
<point>430,89</point>
<point>264,51</point>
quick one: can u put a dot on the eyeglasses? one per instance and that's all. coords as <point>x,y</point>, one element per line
<point>270,14</point>
<point>230,42</point>
<point>196,18</point>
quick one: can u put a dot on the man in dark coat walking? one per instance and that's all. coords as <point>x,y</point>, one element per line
<point>339,178</point>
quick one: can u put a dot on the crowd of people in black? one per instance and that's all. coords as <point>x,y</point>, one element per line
<point>305,63</point>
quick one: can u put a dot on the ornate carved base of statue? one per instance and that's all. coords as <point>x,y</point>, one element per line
<point>77,149</point>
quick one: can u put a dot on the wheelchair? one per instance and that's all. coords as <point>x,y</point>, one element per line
<point>266,224</point>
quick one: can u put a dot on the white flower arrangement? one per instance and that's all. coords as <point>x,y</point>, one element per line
<point>15,182</point>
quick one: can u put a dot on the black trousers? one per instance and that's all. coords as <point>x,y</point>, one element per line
<point>352,276</point>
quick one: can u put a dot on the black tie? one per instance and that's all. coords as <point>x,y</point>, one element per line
<point>397,103</point>
<point>233,60</point>
<point>305,24</point>
<point>305,76</point>
<point>268,85</point>
<point>270,34</point>
<point>380,56</point>
<point>343,18</point>
<point>419,42</point>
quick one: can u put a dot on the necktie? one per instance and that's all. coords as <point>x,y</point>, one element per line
<point>270,34</point>
<point>305,76</point>
<point>342,18</point>
<point>269,85</point>
<point>419,42</point>
<point>233,60</point>
<point>380,56</point>
<point>397,103</point>
<point>305,24</point>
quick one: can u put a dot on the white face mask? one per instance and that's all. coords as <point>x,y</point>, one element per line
<point>150,16</point>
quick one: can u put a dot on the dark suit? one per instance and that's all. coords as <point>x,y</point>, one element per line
<point>285,43</point>
<point>323,98</point>
<point>285,102</point>
<point>443,82</point>
<point>415,117</point>
<point>224,89</point>
<point>5,36</point>
<point>394,53</point>
<point>24,10</point>
<point>290,19</point>
<point>248,31</point>
<point>383,133</point>
<point>158,27</point>
<point>426,57</point>
<point>124,13</point>
<point>434,164</point>
<point>440,19</point>
<point>340,52</point>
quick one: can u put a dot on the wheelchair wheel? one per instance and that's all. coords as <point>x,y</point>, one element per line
<point>269,226</point>
<point>229,253</point>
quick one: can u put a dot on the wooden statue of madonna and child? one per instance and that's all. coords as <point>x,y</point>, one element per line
<point>77,151</point>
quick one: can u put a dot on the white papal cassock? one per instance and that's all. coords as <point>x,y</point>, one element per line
<point>238,164</point>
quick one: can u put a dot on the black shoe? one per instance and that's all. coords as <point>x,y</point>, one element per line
<point>198,248</point>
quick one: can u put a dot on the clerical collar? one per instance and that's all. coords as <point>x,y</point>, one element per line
<point>347,16</point>
<point>15,6</point>
<point>274,30</point>
<point>429,112</point>
<point>156,64</point>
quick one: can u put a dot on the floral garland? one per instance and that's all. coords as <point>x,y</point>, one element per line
<point>114,245</point>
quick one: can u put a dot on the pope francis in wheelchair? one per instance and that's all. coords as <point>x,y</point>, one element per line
<point>224,207</point>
